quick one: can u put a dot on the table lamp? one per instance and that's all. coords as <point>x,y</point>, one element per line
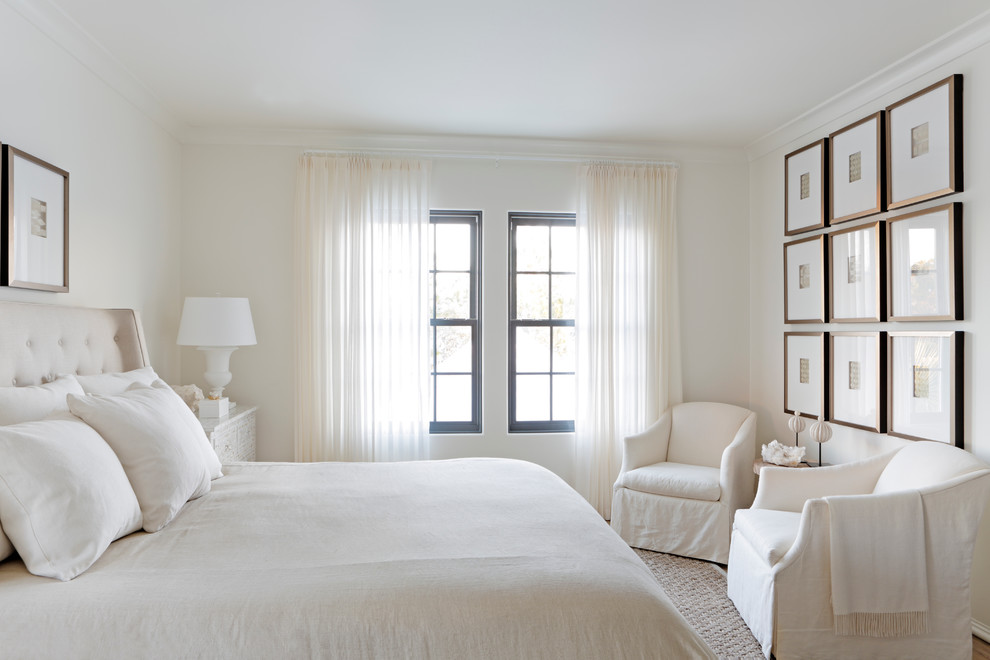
<point>217,326</point>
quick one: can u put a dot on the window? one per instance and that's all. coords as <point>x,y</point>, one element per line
<point>542,280</point>
<point>455,332</point>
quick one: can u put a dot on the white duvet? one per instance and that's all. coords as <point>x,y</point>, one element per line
<point>473,558</point>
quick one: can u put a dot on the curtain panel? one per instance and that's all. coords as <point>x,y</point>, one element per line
<point>361,351</point>
<point>628,337</point>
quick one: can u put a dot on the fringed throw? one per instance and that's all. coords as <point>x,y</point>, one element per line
<point>882,624</point>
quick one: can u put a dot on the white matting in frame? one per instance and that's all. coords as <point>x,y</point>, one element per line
<point>925,382</point>
<point>805,188</point>
<point>857,377</point>
<point>925,261</point>
<point>924,143</point>
<point>36,221</point>
<point>856,274</point>
<point>804,280</point>
<point>856,178</point>
<point>804,376</point>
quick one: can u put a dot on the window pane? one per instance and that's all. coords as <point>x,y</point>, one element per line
<point>453,348</point>
<point>563,397</point>
<point>564,256</point>
<point>532,296</point>
<point>532,349</point>
<point>453,398</point>
<point>532,248</point>
<point>564,348</point>
<point>563,296</point>
<point>532,398</point>
<point>453,246</point>
<point>453,295</point>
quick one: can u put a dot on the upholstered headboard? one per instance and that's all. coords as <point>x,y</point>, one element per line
<point>39,341</point>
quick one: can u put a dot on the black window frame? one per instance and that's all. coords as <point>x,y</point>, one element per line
<point>473,220</point>
<point>517,219</point>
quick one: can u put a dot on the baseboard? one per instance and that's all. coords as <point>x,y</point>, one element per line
<point>981,630</point>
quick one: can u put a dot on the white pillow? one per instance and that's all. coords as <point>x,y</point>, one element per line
<point>63,495</point>
<point>116,383</point>
<point>189,419</point>
<point>161,457</point>
<point>34,402</point>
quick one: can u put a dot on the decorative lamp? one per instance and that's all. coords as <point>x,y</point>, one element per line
<point>821,433</point>
<point>217,326</point>
<point>796,425</point>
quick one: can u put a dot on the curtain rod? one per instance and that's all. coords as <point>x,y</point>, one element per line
<point>495,157</point>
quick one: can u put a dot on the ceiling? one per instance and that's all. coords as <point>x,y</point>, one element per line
<point>697,72</point>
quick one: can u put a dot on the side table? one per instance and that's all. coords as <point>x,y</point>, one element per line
<point>234,436</point>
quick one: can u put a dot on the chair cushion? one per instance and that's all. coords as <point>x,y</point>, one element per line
<point>695,482</point>
<point>770,532</point>
<point>700,431</point>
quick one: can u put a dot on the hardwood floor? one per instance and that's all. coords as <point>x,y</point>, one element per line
<point>981,650</point>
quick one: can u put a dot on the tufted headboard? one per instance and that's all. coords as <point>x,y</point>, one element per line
<point>39,341</point>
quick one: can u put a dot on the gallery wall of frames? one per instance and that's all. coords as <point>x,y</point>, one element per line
<point>865,244</point>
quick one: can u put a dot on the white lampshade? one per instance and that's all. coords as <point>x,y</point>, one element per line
<point>216,322</point>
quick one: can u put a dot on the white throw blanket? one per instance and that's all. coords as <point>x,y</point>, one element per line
<point>879,578</point>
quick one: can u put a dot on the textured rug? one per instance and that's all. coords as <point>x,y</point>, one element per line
<point>698,591</point>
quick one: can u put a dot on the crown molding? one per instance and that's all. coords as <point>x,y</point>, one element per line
<point>964,39</point>
<point>68,35</point>
<point>466,146</point>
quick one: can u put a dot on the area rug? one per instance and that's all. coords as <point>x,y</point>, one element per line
<point>698,591</point>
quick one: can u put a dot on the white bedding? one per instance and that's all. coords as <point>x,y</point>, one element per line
<point>473,558</point>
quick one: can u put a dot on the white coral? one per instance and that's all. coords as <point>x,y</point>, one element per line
<point>778,454</point>
<point>191,394</point>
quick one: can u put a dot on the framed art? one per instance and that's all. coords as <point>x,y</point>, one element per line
<point>34,223</point>
<point>857,170</point>
<point>858,280</point>
<point>924,257</point>
<point>858,378</point>
<point>926,386</point>
<point>805,388</point>
<point>805,281</point>
<point>805,188</point>
<point>925,144</point>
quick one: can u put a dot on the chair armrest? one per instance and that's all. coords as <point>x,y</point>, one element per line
<point>787,489</point>
<point>648,447</point>
<point>736,471</point>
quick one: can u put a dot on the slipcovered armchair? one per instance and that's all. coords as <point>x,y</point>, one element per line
<point>683,478</point>
<point>829,559</point>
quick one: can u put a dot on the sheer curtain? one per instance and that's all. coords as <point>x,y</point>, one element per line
<point>361,353</point>
<point>627,324</point>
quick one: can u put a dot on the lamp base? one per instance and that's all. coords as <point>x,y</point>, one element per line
<point>213,408</point>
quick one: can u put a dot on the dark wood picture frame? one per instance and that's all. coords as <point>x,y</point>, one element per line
<point>839,150</point>
<point>10,258</point>
<point>855,380</point>
<point>953,271</point>
<point>879,272</point>
<point>817,185</point>
<point>820,361</point>
<point>793,279</point>
<point>898,134</point>
<point>952,426</point>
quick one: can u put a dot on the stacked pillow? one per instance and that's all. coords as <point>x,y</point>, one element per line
<point>129,456</point>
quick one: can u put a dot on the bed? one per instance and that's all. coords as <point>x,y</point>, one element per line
<point>472,558</point>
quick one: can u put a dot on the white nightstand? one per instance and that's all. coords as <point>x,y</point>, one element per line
<point>233,437</point>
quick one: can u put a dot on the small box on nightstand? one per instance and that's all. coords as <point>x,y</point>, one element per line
<point>210,408</point>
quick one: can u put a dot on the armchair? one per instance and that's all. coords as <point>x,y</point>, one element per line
<point>683,478</point>
<point>780,562</point>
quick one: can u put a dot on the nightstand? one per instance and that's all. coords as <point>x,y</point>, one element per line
<point>233,437</point>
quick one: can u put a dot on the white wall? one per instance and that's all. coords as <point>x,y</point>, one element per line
<point>766,321</point>
<point>237,239</point>
<point>123,176</point>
